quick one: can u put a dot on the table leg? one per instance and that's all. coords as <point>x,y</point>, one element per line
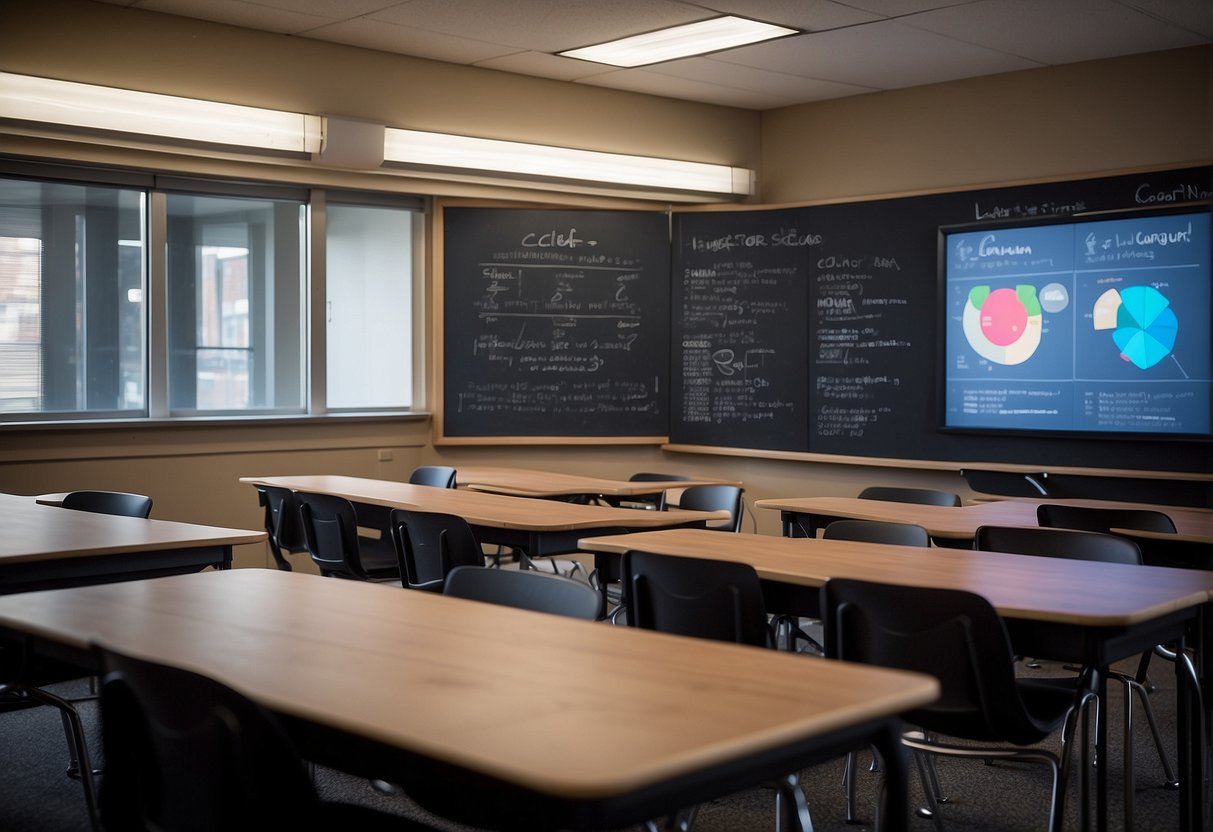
<point>895,808</point>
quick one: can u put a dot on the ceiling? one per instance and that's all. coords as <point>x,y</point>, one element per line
<point>847,48</point>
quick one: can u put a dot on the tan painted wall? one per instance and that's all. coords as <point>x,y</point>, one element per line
<point>1059,122</point>
<point>944,136</point>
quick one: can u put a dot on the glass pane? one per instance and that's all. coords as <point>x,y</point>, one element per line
<point>369,310</point>
<point>73,334</point>
<point>236,275</point>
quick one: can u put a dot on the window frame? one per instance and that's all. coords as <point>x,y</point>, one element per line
<point>156,188</point>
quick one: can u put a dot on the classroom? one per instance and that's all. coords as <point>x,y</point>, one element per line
<point>853,172</point>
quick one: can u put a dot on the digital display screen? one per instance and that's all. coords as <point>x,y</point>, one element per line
<point>1095,325</point>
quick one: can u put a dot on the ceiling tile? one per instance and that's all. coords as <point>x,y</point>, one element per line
<point>735,76</point>
<point>894,56</point>
<point>376,34</point>
<point>639,80</point>
<point>1193,15</point>
<point>237,13</point>
<point>332,9</point>
<point>542,25</point>
<point>811,15</point>
<point>1043,30</point>
<point>546,66</point>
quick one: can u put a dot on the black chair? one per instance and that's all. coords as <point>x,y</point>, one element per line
<point>439,476</point>
<point>716,498</point>
<point>866,531</point>
<point>525,589</point>
<point>185,752</point>
<point>120,503</point>
<point>330,530</point>
<point>919,496</point>
<point>1100,519</point>
<point>922,496</point>
<point>958,638</point>
<point>713,599</point>
<point>877,531</point>
<point>699,597</point>
<point>429,545</point>
<point>109,502</point>
<point>656,500</point>
<point>282,526</point>
<point>1102,548</point>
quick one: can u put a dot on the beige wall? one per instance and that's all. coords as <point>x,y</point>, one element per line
<point>1059,122</point>
<point>1139,111</point>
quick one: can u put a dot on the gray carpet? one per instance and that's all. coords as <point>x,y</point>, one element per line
<point>36,796</point>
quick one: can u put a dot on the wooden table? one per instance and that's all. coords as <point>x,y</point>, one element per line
<point>619,725</point>
<point>537,527</point>
<point>1089,613</point>
<point>524,482</point>
<point>47,546</point>
<point>960,523</point>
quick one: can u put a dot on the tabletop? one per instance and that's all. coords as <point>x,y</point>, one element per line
<point>429,674</point>
<point>35,532</point>
<point>1019,586</point>
<point>960,522</point>
<point>484,509</point>
<point>525,482</point>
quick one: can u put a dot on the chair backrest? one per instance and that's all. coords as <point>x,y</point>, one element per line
<point>878,531</point>
<point>281,523</point>
<point>429,545</point>
<point>953,635</point>
<point>657,498</point>
<point>439,476</point>
<point>109,502</point>
<point>922,496</point>
<point>1057,543</point>
<point>185,752</point>
<point>330,532</point>
<point>1098,519</point>
<point>715,498</point>
<point>688,596</point>
<point>526,589</point>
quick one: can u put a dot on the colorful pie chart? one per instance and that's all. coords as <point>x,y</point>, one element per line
<point>1142,322</point>
<point>1003,325</point>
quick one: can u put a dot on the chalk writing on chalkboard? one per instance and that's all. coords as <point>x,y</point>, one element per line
<point>739,291</point>
<point>556,323</point>
<point>854,334</point>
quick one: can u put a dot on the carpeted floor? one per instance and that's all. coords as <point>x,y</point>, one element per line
<point>36,796</point>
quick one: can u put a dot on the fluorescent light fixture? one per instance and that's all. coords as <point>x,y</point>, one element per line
<point>680,42</point>
<point>446,151</point>
<point>49,101</point>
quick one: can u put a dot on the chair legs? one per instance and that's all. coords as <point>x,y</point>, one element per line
<point>73,729</point>
<point>791,808</point>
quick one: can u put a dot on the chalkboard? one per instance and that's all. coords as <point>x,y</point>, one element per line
<point>866,384</point>
<point>739,295</point>
<point>556,323</point>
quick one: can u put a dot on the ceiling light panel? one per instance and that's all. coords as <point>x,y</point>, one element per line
<point>680,42</point>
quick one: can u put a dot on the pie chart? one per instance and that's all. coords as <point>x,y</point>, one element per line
<point>1142,322</point>
<point>1003,325</point>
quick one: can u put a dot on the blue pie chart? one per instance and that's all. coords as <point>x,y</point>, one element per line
<point>1145,326</point>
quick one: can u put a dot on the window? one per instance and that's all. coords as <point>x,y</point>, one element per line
<point>78,288</point>
<point>236,283</point>
<point>368,307</point>
<point>72,284</point>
